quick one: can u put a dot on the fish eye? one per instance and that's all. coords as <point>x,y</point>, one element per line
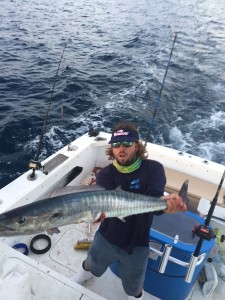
<point>21,220</point>
<point>55,215</point>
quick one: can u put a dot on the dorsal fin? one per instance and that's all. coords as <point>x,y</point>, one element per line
<point>183,192</point>
<point>75,189</point>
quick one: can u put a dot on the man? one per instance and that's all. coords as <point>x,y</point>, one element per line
<point>127,242</point>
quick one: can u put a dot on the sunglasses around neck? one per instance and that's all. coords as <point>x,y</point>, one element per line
<point>125,144</point>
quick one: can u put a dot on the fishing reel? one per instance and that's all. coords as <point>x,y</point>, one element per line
<point>204,232</point>
<point>93,132</point>
<point>35,165</point>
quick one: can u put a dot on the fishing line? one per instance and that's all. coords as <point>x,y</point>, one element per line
<point>34,164</point>
<point>160,93</point>
<point>48,110</point>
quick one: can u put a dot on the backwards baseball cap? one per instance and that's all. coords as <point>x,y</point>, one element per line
<point>124,135</point>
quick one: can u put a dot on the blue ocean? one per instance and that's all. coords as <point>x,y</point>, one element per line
<point>114,55</point>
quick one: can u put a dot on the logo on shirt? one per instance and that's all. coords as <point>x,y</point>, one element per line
<point>135,184</point>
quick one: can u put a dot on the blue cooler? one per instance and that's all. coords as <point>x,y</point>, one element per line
<point>175,230</point>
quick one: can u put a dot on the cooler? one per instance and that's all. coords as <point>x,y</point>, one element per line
<point>175,230</point>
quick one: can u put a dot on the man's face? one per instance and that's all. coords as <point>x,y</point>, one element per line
<point>125,156</point>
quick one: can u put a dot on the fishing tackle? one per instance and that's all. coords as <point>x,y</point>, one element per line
<point>42,237</point>
<point>35,164</point>
<point>204,232</point>
<point>21,247</point>
<point>160,93</point>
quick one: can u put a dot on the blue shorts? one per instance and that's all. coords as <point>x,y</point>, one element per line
<point>132,267</point>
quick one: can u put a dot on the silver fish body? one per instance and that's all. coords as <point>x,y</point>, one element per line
<point>85,206</point>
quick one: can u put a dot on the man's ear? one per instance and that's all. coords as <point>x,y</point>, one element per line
<point>137,146</point>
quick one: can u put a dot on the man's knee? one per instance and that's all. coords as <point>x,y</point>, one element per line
<point>132,289</point>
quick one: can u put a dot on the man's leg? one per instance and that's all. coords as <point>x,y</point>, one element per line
<point>132,270</point>
<point>83,274</point>
<point>139,297</point>
<point>100,256</point>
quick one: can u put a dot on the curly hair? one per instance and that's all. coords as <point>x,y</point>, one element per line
<point>142,152</point>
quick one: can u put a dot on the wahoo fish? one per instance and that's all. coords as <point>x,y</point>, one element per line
<point>76,207</point>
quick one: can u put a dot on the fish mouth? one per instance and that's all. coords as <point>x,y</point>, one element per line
<point>6,227</point>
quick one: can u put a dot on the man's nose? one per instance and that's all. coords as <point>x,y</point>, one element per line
<point>121,146</point>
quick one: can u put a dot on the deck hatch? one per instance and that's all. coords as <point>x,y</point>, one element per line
<point>55,162</point>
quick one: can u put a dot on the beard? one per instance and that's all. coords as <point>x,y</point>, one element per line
<point>124,161</point>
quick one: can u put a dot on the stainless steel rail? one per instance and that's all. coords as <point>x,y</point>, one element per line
<point>165,257</point>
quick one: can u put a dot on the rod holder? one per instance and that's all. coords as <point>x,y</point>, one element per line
<point>165,257</point>
<point>191,268</point>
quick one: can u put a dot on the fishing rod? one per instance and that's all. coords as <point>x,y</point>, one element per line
<point>161,89</point>
<point>35,164</point>
<point>204,232</point>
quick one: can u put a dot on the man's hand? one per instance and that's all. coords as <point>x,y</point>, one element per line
<point>174,204</point>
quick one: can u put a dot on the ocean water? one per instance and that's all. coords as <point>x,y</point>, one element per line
<point>116,55</point>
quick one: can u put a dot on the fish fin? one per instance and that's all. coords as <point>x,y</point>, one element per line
<point>183,192</point>
<point>51,231</point>
<point>97,216</point>
<point>119,188</point>
<point>75,189</point>
<point>122,219</point>
<point>100,217</point>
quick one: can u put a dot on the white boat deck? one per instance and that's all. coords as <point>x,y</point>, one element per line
<point>43,282</point>
<point>50,272</point>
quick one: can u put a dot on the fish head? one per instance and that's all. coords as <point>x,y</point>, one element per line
<point>25,220</point>
<point>17,224</point>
